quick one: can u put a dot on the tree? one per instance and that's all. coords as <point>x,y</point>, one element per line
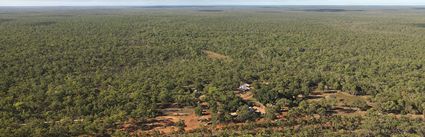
<point>361,104</point>
<point>283,102</point>
<point>271,112</point>
<point>423,108</point>
<point>198,110</point>
<point>337,85</point>
<point>390,106</point>
<point>180,126</point>
<point>321,86</point>
<point>246,113</point>
<point>165,97</point>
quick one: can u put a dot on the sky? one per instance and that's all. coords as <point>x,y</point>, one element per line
<point>203,2</point>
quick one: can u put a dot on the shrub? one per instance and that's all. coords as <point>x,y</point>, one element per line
<point>361,104</point>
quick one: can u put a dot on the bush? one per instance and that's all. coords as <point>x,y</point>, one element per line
<point>271,112</point>
<point>361,104</point>
<point>246,113</point>
<point>390,106</point>
<point>180,125</point>
<point>198,110</point>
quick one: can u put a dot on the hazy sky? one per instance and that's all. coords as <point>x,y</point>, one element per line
<point>204,2</point>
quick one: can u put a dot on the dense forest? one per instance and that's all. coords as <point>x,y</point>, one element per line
<point>87,71</point>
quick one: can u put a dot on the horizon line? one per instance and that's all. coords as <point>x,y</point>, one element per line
<point>194,5</point>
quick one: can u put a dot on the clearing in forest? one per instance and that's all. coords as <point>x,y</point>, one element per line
<point>166,123</point>
<point>215,56</point>
<point>249,97</point>
<point>342,103</point>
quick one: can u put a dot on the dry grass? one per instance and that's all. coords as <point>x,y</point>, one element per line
<point>173,115</point>
<point>345,98</point>
<point>215,56</point>
<point>341,102</point>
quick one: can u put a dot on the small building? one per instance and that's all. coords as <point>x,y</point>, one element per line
<point>244,87</point>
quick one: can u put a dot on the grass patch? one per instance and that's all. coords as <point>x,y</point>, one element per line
<point>345,99</point>
<point>215,56</point>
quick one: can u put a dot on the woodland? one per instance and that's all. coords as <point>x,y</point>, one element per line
<point>111,71</point>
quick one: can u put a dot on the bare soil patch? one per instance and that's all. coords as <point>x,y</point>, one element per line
<point>249,96</point>
<point>215,56</point>
<point>166,123</point>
